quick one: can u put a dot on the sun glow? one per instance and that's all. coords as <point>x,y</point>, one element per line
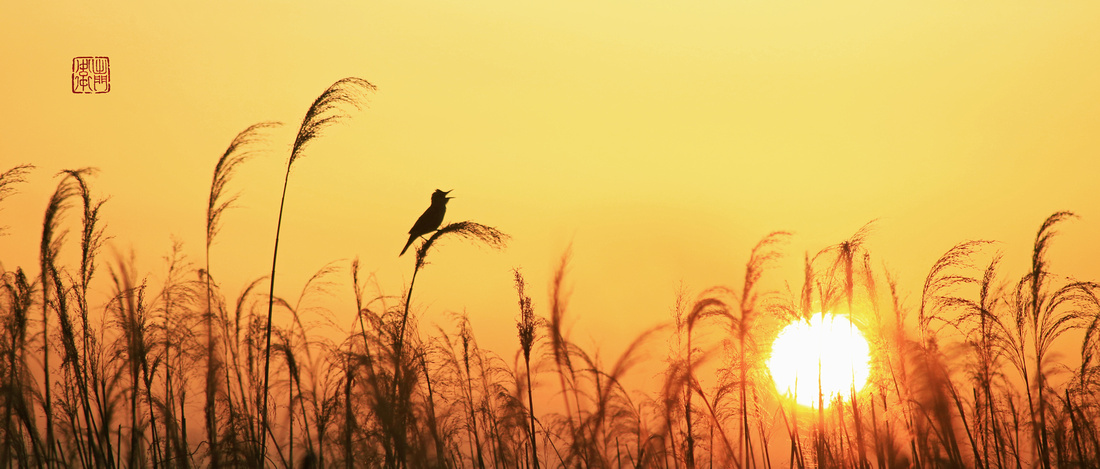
<point>829,343</point>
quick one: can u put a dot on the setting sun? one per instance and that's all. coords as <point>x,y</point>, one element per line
<point>829,343</point>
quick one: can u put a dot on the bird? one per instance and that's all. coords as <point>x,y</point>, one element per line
<point>430,220</point>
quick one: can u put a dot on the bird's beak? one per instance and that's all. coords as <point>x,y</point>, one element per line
<point>448,192</point>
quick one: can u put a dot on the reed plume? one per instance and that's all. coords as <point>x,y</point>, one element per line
<point>240,150</point>
<point>527,335</point>
<point>76,358</point>
<point>1041,317</point>
<point>52,239</point>
<point>9,179</point>
<point>18,421</point>
<point>329,108</point>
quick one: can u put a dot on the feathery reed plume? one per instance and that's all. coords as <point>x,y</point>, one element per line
<point>433,423</point>
<point>762,255</point>
<point>91,240</point>
<point>1041,317</point>
<point>559,346</point>
<point>986,337</point>
<point>527,336</point>
<point>9,179</point>
<point>939,292</point>
<point>847,252</point>
<point>328,109</point>
<point>466,337</point>
<point>608,396</point>
<point>320,393</point>
<point>934,392</point>
<point>240,440</point>
<point>240,149</point>
<point>735,383</point>
<point>15,325</point>
<point>177,305</point>
<point>130,315</point>
<point>1088,374</point>
<point>351,364</point>
<point>49,248</point>
<point>19,292</point>
<point>676,391</point>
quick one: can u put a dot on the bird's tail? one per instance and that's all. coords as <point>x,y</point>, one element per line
<point>406,248</point>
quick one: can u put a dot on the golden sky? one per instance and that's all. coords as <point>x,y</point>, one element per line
<point>661,140</point>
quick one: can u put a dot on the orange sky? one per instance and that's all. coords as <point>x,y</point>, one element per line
<point>661,140</point>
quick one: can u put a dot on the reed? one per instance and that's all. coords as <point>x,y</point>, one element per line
<point>974,372</point>
<point>18,422</point>
<point>468,230</point>
<point>219,201</point>
<point>943,391</point>
<point>329,108</point>
<point>1041,316</point>
<point>91,241</point>
<point>527,334</point>
<point>9,179</point>
<point>50,280</point>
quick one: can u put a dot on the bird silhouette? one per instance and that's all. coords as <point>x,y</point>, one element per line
<point>430,220</point>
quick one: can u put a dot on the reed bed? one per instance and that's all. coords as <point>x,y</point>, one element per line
<point>986,369</point>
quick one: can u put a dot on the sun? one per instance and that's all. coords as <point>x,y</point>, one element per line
<point>829,343</point>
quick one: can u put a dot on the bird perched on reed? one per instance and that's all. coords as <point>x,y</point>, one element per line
<point>430,220</point>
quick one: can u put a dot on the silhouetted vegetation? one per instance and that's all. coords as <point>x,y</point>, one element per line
<point>989,372</point>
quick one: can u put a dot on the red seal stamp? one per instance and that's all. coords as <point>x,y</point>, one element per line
<point>91,75</point>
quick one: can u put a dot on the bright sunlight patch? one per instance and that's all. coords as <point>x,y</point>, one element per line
<point>830,342</point>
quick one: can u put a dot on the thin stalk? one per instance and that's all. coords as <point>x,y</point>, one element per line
<point>325,111</point>
<point>262,430</point>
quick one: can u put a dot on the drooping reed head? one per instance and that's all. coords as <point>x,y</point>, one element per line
<point>240,149</point>
<point>1043,237</point>
<point>487,235</point>
<point>1089,371</point>
<point>559,300</point>
<point>51,237</point>
<point>16,307</point>
<point>329,108</point>
<point>91,238</point>
<point>9,179</point>
<point>953,269</point>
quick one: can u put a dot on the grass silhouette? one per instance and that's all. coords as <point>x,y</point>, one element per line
<point>975,373</point>
<point>327,109</point>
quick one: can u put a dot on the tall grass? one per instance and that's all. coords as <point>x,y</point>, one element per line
<point>9,180</point>
<point>527,334</point>
<point>52,282</point>
<point>240,149</point>
<point>329,108</point>
<point>976,371</point>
